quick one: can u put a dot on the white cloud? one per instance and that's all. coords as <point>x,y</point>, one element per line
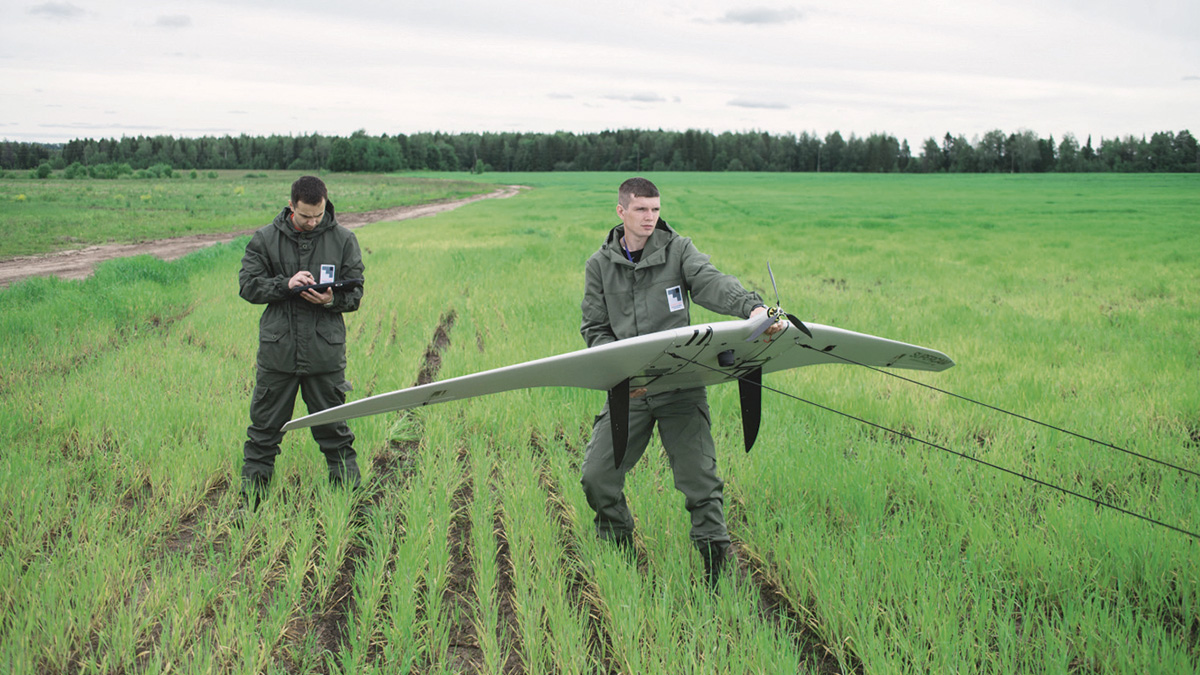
<point>57,10</point>
<point>173,21</point>
<point>640,97</point>
<point>763,105</point>
<point>759,16</point>
<point>914,70</point>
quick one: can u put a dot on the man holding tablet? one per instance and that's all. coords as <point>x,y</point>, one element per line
<point>307,269</point>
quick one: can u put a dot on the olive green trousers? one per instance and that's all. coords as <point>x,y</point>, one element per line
<point>272,406</point>
<point>684,427</point>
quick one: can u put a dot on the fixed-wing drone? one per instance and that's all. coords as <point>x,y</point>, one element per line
<point>669,360</point>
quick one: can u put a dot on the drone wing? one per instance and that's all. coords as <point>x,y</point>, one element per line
<point>670,360</point>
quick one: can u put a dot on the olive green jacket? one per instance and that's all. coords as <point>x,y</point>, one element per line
<point>622,300</point>
<point>296,336</point>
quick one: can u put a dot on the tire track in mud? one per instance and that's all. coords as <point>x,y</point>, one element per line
<point>507,625</point>
<point>391,466</point>
<point>81,263</point>
<point>581,588</point>
<point>791,617</point>
<point>332,626</point>
<point>464,653</point>
<point>85,354</point>
<point>186,534</point>
<point>181,535</point>
<point>395,462</point>
<point>432,361</point>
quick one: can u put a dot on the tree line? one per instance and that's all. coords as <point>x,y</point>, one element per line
<point>627,150</point>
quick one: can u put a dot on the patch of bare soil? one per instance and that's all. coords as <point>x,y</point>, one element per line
<point>184,537</point>
<point>581,587</point>
<point>508,627</point>
<point>432,362</point>
<point>464,654</point>
<point>81,263</point>
<point>396,460</point>
<point>394,464</point>
<point>789,615</point>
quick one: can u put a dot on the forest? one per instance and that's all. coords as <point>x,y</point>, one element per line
<point>628,150</point>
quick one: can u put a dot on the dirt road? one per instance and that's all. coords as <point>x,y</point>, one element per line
<point>79,264</point>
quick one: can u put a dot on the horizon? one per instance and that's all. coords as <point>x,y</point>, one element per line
<point>821,137</point>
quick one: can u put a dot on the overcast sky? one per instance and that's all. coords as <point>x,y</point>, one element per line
<point>912,68</point>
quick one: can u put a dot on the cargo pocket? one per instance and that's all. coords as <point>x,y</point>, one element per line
<point>260,406</point>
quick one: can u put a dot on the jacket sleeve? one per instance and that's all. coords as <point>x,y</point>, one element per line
<point>721,293</point>
<point>256,281</point>
<point>352,268</point>
<point>596,329</point>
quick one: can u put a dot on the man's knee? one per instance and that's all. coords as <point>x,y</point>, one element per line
<point>592,481</point>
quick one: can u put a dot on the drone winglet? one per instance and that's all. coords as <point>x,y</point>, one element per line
<point>618,420</point>
<point>750,397</point>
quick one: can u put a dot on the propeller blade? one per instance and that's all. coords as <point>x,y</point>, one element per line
<point>750,393</point>
<point>772,275</point>
<point>799,324</point>
<point>767,321</point>
<point>618,419</point>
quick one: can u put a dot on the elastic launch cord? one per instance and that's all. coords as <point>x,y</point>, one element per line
<point>1007,412</point>
<point>997,467</point>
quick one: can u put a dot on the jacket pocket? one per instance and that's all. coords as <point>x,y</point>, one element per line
<point>273,325</point>
<point>331,328</point>
<point>327,350</point>
<point>276,347</point>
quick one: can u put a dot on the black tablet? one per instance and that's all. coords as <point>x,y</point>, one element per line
<point>340,284</point>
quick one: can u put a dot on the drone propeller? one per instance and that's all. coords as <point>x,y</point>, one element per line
<point>776,313</point>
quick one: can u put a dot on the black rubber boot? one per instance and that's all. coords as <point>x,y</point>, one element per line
<point>254,490</point>
<point>715,556</point>
<point>343,471</point>
<point>623,541</point>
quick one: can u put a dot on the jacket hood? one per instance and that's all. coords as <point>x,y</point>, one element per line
<point>662,235</point>
<point>283,221</point>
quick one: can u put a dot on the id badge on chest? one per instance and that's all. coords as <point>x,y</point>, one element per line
<point>675,298</point>
<point>327,274</point>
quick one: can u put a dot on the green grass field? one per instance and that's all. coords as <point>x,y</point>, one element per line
<point>1070,299</point>
<point>40,216</point>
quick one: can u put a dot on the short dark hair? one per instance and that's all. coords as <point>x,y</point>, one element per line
<point>635,187</point>
<point>310,190</point>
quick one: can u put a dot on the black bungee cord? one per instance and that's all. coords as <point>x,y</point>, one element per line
<point>1099,502</point>
<point>1008,412</point>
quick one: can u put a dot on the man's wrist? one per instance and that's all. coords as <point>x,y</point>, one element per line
<point>328,304</point>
